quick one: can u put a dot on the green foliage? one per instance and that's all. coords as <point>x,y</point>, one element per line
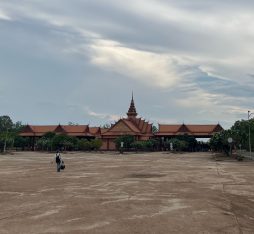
<point>154,129</point>
<point>63,141</point>
<point>49,135</point>
<point>52,141</point>
<point>147,145</point>
<point>239,132</point>
<point>8,132</point>
<point>5,123</point>
<point>182,143</point>
<point>219,142</point>
<point>46,142</point>
<point>127,142</point>
<point>21,142</point>
<point>96,144</point>
<point>178,145</point>
<point>84,145</point>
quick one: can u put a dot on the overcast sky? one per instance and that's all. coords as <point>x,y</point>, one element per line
<point>186,61</point>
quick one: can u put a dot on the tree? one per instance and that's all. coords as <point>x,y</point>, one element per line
<point>62,141</point>
<point>6,126</point>
<point>239,132</point>
<point>20,142</point>
<point>178,145</point>
<point>46,142</point>
<point>96,144</point>
<point>5,123</point>
<point>219,141</point>
<point>127,141</point>
<point>154,129</point>
<point>84,144</point>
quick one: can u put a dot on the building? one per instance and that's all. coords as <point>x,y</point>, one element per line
<point>131,125</point>
<point>35,132</point>
<point>198,130</point>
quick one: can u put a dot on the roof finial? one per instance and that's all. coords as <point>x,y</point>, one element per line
<point>132,110</point>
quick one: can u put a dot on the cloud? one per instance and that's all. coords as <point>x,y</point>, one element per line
<point>187,57</point>
<point>4,16</point>
<point>149,68</point>
<point>104,116</point>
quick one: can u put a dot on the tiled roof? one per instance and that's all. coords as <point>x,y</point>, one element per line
<point>194,129</point>
<point>103,130</point>
<point>168,128</point>
<point>75,128</point>
<point>119,133</point>
<point>201,128</point>
<point>94,130</point>
<point>131,126</point>
<point>43,129</point>
<point>37,130</point>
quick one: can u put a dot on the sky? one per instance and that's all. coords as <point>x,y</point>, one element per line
<point>79,61</point>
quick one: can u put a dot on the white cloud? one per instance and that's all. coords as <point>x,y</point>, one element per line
<point>167,45</point>
<point>150,68</point>
<point>4,15</point>
<point>104,116</point>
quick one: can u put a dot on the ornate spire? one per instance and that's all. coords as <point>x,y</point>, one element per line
<point>132,110</point>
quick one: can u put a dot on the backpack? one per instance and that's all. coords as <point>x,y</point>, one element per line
<point>58,159</point>
<point>62,165</point>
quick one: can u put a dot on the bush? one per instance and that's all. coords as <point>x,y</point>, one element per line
<point>96,144</point>
<point>138,145</point>
<point>127,140</point>
<point>178,145</point>
<point>84,145</point>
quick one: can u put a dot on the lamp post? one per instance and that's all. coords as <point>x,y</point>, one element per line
<point>249,115</point>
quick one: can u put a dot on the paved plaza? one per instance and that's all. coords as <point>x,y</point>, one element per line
<point>150,193</point>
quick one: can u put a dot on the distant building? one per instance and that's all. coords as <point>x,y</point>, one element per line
<point>195,130</point>
<point>132,125</point>
<point>137,127</point>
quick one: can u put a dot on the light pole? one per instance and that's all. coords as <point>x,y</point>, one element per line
<point>249,115</point>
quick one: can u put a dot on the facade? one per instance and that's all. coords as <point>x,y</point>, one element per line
<point>137,127</point>
<point>35,132</point>
<point>131,125</point>
<point>197,130</point>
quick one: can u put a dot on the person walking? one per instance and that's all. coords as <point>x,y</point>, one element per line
<point>58,161</point>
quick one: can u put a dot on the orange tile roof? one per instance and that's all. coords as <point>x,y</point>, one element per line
<point>131,125</point>
<point>201,128</point>
<point>37,130</point>
<point>168,128</point>
<point>194,129</point>
<point>103,130</point>
<point>43,129</point>
<point>75,128</point>
<point>120,133</point>
<point>94,130</point>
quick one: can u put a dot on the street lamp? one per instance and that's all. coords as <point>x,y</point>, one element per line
<point>249,115</point>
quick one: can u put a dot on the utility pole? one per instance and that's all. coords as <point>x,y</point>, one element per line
<point>249,115</point>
